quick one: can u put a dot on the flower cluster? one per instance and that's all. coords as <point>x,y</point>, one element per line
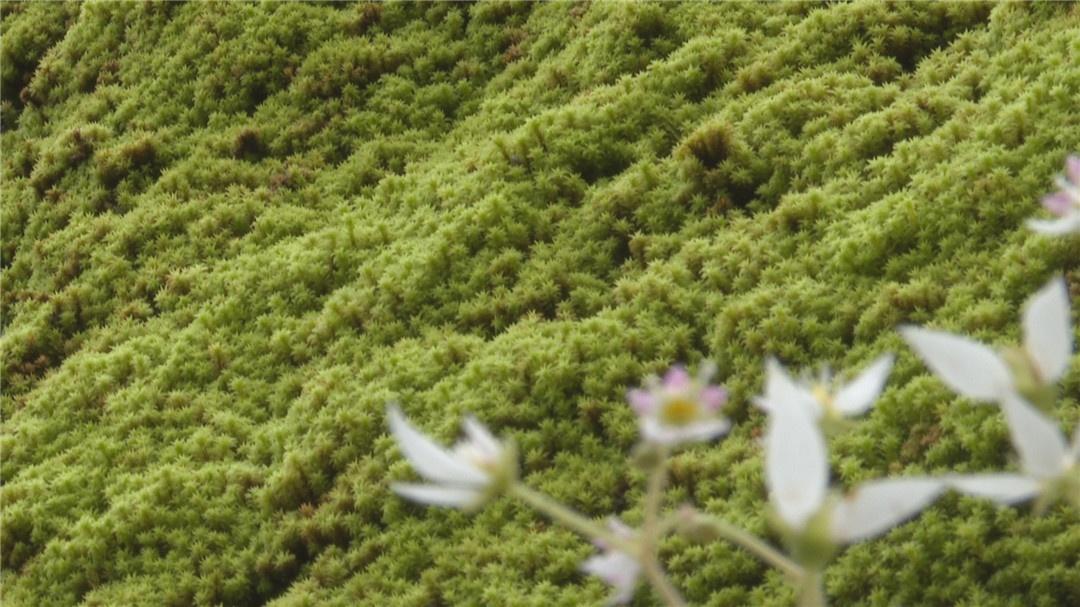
<point>813,520</point>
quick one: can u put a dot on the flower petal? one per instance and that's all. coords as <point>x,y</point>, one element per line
<point>1072,169</point>
<point>438,495</point>
<point>677,379</point>
<point>1048,330</point>
<point>858,395</point>
<point>1037,438</point>
<point>968,367</point>
<point>878,506</point>
<point>780,388</point>
<point>642,401</point>
<point>482,437</point>
<point>1068,224</point>
<point>1001,488</point>
<point>705,372</point>
<point>617,569</point>
<point>1057,203</point>
<point>705,430</point>
<point>713,397</point>
<point>796,466</point>
<point>430,460</point>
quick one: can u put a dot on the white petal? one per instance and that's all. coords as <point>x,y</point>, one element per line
<point>781,389</point>
<point>706,371</point>
<point>652,430</point>
<point>858,395</point>
<point>796,466</point>
<point>438,495</point>
<point>1001,488</point>
<point>619,570</point>
<point>1037,438</point>
<point>1056,227</point>
<point>705,430</point>
<point>482,437</point>
<point>429,459</point>
<point>968,367</point>
<point>878,506</point>
<point>1048,331</point>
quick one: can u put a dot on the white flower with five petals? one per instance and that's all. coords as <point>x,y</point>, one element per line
<point>797,477</point>
<point>473,472</point>
<point>825,396</point>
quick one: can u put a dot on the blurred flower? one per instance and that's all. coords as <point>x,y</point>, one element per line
<point>1049,465</point>
<point>477,469</point>
<point>1065,203</point>
<point>680,408</point>
<point>617,568</point>
<point>826,396</point>
<point>974,370</point>
<point>797,477</point>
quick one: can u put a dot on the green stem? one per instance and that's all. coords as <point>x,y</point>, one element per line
<point>572,520</point>
<point>812,590</point>
<point>750,543</point>
<point>652,531</point>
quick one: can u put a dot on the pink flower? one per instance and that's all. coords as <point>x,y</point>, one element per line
<point>680,408</point>
<point>1065,203</point>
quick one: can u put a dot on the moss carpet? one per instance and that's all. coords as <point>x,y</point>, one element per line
<point>232,232</point>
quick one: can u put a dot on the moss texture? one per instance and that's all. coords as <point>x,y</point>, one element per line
<point>232,232</point>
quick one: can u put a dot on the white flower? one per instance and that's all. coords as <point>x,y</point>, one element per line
<point>680,408</point>
<point>825,396</point>
<point>617,568</point>
<point>1048,464</point>
<point>797,477</point>
<point>463,478</point>
<point>974,370</point>
<point>1065,203</point>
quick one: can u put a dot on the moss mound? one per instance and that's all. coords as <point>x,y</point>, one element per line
<point>233,232</point>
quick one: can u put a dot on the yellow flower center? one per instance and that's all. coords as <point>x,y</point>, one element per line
<point>679,411</point>
<point>822,396</point>
<point>475,456</point>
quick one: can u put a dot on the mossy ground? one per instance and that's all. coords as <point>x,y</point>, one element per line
<point>233,232</point>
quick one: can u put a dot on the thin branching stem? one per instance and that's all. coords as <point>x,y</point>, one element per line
<point>751,543</point>
<point>652,531</point>
<point>572,520</point>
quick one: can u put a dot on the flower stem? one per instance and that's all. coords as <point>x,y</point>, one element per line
<point>811,590</point>
<point>572,519</point>
<point>724,530</point>
<point>652,531</point>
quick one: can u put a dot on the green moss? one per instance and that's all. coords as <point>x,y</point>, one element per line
<point>232,233</point>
